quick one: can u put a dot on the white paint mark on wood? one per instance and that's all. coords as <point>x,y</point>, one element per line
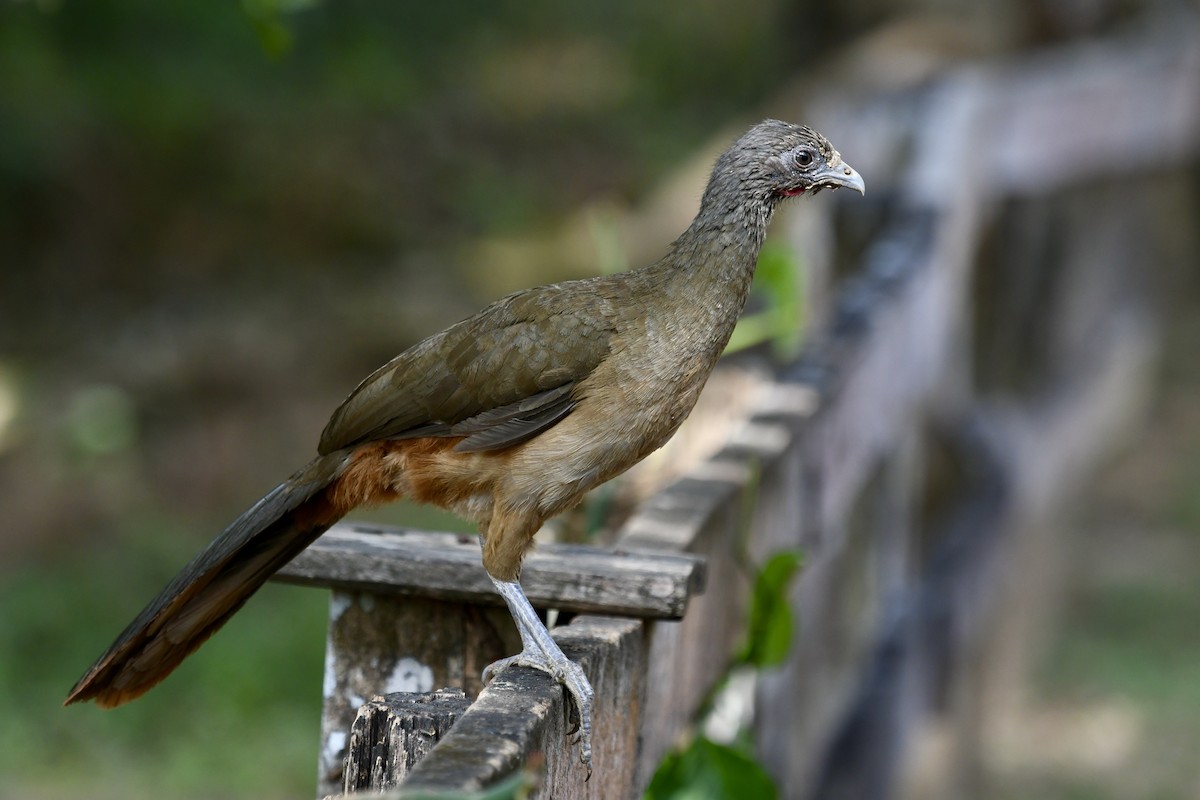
<point>338,603</point>
<point>329,686</point>
<point>409,675</point>
<point>336,743</point>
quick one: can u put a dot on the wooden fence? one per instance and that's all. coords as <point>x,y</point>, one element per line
<point>917,454</point>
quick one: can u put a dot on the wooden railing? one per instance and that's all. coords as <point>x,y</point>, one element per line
<point>909,566</point>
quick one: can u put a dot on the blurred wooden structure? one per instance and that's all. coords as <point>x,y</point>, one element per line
<point>918,453</point>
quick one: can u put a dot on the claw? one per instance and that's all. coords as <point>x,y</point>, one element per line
<point>580,696</point>
<point>539,651</point>
<point>496,667</point>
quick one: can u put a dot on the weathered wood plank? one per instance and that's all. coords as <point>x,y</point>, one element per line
<point>522,711</point>
<point>393,732</point>
<point>891,348</point>
<point>383,643</point>
<point>447,566</point>
<point>958,180</point>
<point>1105,108</point>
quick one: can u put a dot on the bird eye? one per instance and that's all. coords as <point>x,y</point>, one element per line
<point>804,158</point>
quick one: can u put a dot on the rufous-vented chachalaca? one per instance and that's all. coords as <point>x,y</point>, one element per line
<point>506,418</point>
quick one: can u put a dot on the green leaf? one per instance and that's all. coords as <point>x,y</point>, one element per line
<point>710,771</point>
<point>267,18</point>
<point>769,631</point>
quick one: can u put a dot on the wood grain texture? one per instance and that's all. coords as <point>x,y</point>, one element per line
<point>393,732</point>
<point>447,566</point>
<point>385,643</point>
<point>522,712</point>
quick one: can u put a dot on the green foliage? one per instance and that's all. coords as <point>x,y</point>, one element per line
<point>267,18</point>
<point>1185,502</point>
<point>239,717</point>
<point>769,631</point>
<point>710,771</point>
<point>1136,641</point>
<point>384,104</point>
<point>101,420</point>
<point>779,282</point>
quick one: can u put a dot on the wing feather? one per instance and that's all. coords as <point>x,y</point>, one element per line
<point>497,378</point>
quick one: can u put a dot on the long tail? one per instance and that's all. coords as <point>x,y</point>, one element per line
<point>214,585</point>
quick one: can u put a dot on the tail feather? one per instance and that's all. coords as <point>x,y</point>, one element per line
<point>214,585</point>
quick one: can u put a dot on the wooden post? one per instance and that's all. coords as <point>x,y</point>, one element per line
<point>393,732</point>
<point>413,610</point>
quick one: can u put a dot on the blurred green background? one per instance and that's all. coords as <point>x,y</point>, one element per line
<point>216,217</point>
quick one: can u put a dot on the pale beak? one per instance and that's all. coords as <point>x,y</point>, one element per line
<point>841,175</point>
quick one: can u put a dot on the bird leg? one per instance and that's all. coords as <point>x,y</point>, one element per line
<point>541,652</point>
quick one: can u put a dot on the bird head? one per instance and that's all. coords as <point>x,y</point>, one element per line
<point>775,159</point>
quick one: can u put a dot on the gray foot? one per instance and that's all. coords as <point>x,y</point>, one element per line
<point>541,652</point>
<point>571,676</point>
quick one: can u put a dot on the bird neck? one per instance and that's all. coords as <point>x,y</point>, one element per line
<point>701,284</point>
<point>719,250</point>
